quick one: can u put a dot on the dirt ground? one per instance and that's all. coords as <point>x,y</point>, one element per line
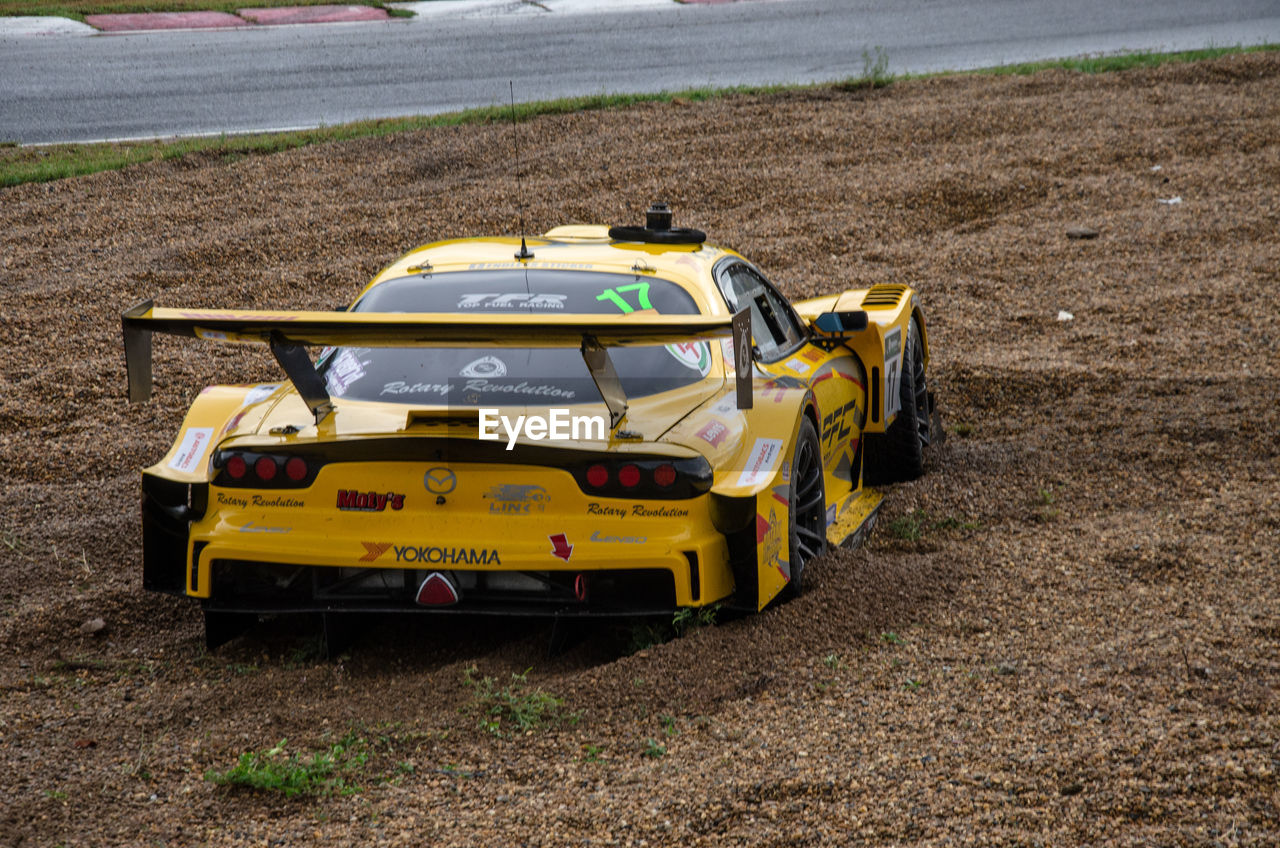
<point>1067,633</point>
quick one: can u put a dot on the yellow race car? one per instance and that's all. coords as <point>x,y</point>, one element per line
<point>599,420</point>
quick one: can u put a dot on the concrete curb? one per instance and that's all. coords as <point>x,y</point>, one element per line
<point>17,27</point>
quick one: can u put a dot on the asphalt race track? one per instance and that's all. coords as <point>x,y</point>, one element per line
<point>254,78</point>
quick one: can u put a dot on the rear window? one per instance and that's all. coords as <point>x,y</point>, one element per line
<point>538,290</point>
<point>508,376</point>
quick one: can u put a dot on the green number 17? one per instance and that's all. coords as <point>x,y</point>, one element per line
<point>642,296</point>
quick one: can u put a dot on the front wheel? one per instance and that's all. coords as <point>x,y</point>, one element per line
<point>808,509</point>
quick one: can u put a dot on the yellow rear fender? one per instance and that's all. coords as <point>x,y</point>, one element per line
<point>752,491</point>
<point>881,346</point>
<point>216,411</point>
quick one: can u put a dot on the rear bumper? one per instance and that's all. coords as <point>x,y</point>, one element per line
<point>263,588</point>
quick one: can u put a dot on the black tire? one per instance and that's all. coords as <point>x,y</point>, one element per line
<point>897,454</point>
<point>808,510</point>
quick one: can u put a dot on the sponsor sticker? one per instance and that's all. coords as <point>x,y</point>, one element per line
<point>892,372</point>
<point>726,349</point>
<point>258,528</point>
<point>517,499</point>
<point>480,385</point>
<point>693,355</point>
<point>345,370</point>
<point>194,445</point>
<point>761,461</point>
<point>560,547</point>
<point>714,432</point>
<point>771,549</point>
<point>485,366</point>
<point>245,501</point>
<point>430,554</point>
<point>597,536</point>
<point>400,387</point>
<point>725,407</point>
<point>521,300</point>
<point>636,511</point>
<point>259,393</point>
<point>797,366</point>
<point>351,500</point>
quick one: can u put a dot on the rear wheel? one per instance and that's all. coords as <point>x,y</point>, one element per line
<point>898,454</point>
<point>808,533</point>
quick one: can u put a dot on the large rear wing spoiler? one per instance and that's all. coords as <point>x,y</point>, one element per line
<point>289,333</point>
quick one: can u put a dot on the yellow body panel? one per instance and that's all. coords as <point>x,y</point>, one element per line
<point>499,517</point>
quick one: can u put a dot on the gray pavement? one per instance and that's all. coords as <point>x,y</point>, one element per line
<point>464,53</point>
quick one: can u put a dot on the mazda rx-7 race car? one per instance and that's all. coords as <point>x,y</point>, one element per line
<point>595,421</point>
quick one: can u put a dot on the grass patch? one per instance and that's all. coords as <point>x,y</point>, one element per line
<point>1125,61</point>
<point>26,164</point>
<point>43,163</point>
<point>1045,509</point>
<point>912,526</point>
<point>515,708</point>
<point>326,772</point>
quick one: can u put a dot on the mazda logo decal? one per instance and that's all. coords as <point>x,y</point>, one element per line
<point>440,480</point>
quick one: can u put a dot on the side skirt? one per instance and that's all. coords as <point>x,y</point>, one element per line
<point>856,519</point>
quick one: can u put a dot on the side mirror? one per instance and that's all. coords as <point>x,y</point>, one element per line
<point>841,323</point>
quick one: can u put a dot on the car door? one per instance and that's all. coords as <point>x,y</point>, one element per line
<point>782,350</point>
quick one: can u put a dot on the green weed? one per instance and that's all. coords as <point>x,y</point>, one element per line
<point>906,528</point>
<point>515,707</point>
<point>1045,500</point>
<point>692,618</point>
<point>891,638</point>
<point>668,724</point>
<point>875,67</point>
<point>912,526</point>
<point>653,750</point>
<point>326,772</point>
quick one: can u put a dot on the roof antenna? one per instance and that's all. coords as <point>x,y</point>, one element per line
<point>524,253</point>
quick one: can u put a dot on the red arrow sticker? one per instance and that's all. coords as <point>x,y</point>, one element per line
<point>561,547</point>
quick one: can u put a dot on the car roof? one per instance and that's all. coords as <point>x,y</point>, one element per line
<point>573,248</point>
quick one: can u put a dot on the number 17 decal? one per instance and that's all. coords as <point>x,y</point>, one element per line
<point>615,295</point>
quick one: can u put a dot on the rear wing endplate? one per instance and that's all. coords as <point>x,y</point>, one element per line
<point>288,334</point>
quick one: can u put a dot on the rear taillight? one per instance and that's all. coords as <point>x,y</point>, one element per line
<point>597,476</point>
<point>645,478</point>
<point>253,470</point>
<point>265,468</point>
